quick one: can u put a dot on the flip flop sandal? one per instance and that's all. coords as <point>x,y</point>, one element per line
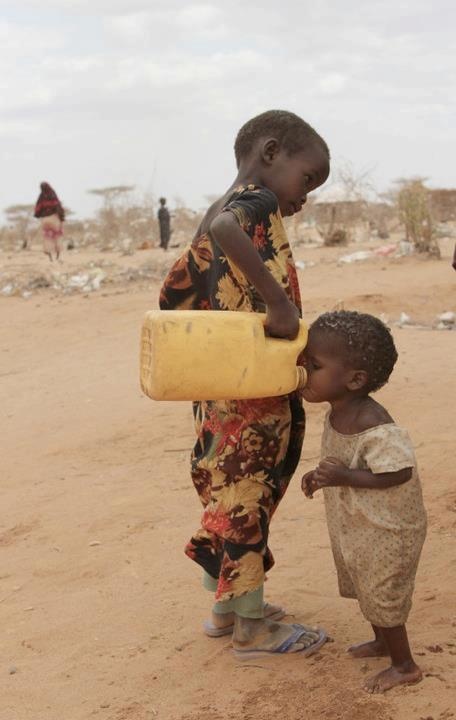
<point>212,631</point>
<point>284,648</point>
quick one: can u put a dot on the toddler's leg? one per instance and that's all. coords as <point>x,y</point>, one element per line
<point>372,648</point>
<point>403,670</point>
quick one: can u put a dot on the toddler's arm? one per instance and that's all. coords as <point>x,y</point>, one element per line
<point>282,314</point>
<point>332,473</point>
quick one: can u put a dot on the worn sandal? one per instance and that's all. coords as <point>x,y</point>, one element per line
<point>284,648</point>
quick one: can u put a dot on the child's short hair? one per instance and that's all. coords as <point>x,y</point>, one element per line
<point>290,130</point>
<point>366,343</point>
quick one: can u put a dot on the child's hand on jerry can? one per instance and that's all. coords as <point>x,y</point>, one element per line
<point>282,320</point>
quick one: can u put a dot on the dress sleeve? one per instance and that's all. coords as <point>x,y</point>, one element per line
<point>252,207</point>
<point>387,448</point>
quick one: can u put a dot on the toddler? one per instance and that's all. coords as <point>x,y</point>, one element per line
<point>374,507</point>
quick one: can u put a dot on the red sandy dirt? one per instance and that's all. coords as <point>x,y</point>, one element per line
<point>101,612</point>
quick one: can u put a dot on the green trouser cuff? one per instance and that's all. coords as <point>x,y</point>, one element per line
<point>249,605</point>
<point>209,582</point>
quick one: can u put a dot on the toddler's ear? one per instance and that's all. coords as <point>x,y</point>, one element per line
<point>357,380</point>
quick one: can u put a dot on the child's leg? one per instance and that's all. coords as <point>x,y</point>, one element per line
<point>252,631</point>
<point>403,668</point>
<point>372,648</point>
<point>222,612</point>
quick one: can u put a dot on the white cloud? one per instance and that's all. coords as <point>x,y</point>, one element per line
<point>332,83</point>
<point>21,41</point>
<point>130,28</point>
<point>179,71</point>
<point>194,16</point>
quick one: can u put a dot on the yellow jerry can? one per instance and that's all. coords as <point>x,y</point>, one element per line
<point>216,355</point>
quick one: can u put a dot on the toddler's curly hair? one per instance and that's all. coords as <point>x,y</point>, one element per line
<point>365,342</point>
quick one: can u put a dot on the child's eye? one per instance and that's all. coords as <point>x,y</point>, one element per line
<point>314,365</point>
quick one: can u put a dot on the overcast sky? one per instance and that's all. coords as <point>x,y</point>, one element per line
<point>151,93</point>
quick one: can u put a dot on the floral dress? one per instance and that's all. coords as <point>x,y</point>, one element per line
<point>246,450</point>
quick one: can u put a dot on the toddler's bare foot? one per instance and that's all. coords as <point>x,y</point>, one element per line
<point>387,679</point>
<point>374,648</point>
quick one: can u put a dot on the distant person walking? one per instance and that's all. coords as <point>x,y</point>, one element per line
<point>49,210</point>
<point>164,222</point>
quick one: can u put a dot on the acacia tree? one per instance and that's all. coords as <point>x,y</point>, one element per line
<point>20,217</point>
<point>109,216</point>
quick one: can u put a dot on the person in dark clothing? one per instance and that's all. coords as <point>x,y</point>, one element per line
<point>164,222</point>
<point>50,212</point>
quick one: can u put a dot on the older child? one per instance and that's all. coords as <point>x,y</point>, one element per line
<point>247,451</point>
<point>374,507</point>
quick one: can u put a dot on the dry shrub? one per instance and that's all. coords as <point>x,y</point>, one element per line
<point>413,203</point>
<point>339,236</point>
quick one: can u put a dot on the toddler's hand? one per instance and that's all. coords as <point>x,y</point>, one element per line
<point>307,484</point>
<point>330,473</point>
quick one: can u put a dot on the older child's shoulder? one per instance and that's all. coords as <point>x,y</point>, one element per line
<point>256,198</point>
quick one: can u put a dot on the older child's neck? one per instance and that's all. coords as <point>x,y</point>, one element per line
<point>249,173</point>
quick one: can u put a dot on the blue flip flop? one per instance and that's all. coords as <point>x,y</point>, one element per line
<point>212,630</point>
<point>283,649</point>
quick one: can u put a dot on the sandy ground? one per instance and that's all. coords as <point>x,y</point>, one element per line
<point>100,610</point>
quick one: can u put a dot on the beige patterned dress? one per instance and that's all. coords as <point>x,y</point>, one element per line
<point>376,535</point>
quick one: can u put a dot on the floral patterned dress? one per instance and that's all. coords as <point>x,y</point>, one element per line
<point>246,450</point>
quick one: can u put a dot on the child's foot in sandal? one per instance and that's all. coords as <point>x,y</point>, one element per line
<point>263,637</point>
<point>223,623</point>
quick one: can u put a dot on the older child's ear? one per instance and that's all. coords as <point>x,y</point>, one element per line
<point>269,150</point>
<point>357,380</point>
